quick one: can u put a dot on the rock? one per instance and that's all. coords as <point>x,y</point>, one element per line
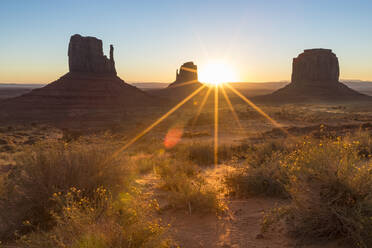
<point>188,73</point>
<point>90,92</point>
<point>315,78</point>
<point>315,65</point>
<point>85,54</point>
<point>186,82</point>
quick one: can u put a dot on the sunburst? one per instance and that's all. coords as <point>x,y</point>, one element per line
<point>216,85</point>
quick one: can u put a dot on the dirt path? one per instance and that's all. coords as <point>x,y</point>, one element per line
<point>238,227</point>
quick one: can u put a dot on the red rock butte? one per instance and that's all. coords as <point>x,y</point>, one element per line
<point>91,90</point>
<point>315,77</point>
<point>186,82</point>
<point>187,74</point>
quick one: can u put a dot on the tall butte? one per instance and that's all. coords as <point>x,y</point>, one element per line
<point>91,90</point>
<point>315,77</point>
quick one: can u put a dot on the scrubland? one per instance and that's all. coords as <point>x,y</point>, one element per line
<point>310,184</point>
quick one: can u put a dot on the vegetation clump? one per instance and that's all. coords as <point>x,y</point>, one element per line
<point>261,173</point>
<point>327,181</point>
<point>76,195</point>
<point>187,189</point>
<point>330,188</point>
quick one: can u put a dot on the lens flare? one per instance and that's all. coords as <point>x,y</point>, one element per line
<point>173,136</point>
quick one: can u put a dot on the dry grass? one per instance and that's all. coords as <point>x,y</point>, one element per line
<point>261,173</point>
<point>187,189</point>
<point>328,182</point>
<point>56,168</point>
<point>331,190</point>
<point>202,153</point>
<point>100,221</point>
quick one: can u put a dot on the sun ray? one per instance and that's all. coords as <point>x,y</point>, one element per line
<point>188,69</point>
<point>185,83</point>
<point>205,98</point>
<point>215,150</point>
<point>255,107</point>
<point>133,140</point>
<point>235,115</point>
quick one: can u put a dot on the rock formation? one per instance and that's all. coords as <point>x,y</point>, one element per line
<point>315,77</point>
<point>188,73</point>
<point>90,91</point>
<point>186,82</point>
<point>315,66</point>
<point>85,54</point>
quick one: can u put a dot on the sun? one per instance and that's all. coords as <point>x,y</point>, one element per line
<point>216,73</point>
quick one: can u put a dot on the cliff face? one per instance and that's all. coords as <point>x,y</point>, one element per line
<point>315,66</point>
<point>85,54</point>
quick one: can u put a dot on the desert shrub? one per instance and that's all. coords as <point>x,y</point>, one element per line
<point>51,168</point>
<point>202,154</point>
<point>100,221</point>
<point>268,179</point>
<point>144,163</point>
<point>187,189</point>
<point>172,171</point>
<point>363,140</point>
<point>261,173</point>
<point>330,186</point>
<point>195,195</point>
<point>259,154</point>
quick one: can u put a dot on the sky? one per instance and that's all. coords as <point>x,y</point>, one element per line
<point>152,39</point>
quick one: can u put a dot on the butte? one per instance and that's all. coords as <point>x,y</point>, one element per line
<point>185,84</point>
<point>315,78</point>
<point>90,91</point>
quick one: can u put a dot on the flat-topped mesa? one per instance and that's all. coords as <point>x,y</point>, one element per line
<point>85,54</point>
<point>188,72</point>
<point>315,66</point>
<point>315,78</point>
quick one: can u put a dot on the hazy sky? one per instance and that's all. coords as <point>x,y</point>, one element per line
<point>153,38</point>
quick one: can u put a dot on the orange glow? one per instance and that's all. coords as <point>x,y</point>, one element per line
<point>172,138</point>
